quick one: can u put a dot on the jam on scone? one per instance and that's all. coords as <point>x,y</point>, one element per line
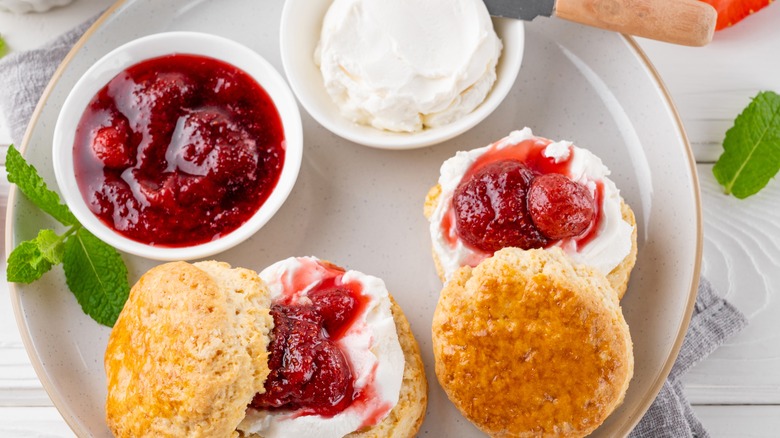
<point>505,203</point>
<point>530,192</point>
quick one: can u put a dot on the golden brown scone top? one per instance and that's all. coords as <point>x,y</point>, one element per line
<point>527,344</point>
<point>188,352</point>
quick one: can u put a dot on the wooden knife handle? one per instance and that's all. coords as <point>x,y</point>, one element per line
<point>686,22</point>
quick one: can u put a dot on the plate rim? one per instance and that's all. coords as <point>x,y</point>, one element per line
<point>694,287</point>
<point>635,416</point>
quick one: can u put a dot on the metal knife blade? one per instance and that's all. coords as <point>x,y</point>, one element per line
<point>523,9</point>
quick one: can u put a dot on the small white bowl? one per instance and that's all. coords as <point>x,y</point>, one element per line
<point>25,6</point>
<point>154,46</point>
<point>300,32</point>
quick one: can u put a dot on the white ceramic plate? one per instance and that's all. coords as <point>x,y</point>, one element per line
<point>362,207</point>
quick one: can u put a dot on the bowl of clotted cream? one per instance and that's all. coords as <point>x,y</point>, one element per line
<point>399,75</point>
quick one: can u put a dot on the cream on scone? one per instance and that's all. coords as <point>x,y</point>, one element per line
<point>529,344</point>
<point>195,352</point>
<point>582,213</point>
<point>366,334</point>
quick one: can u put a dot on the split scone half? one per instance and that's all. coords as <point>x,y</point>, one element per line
<point>530,192</point>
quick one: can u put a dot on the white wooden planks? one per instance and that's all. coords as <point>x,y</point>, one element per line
<point>742,259</point>
<point>711,85</point>
<point>33,422</point>
<point>740,421</point>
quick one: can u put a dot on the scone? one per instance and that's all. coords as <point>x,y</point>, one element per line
<point>528,344</point>
<point>407,416</point>
<point>530,192</point>
<point>188,351</point>
<point>196,352</point>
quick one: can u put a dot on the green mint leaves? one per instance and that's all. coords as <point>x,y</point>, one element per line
<point>96,274</point>
<point>3,47</point>
<point>32,185</point>
<point>94,271</point>
<point>751,154</point>
<point>33,258</point>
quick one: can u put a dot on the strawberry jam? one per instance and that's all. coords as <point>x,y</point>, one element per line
<point>560,207</point>
<point>518,197</point>
<point>490,208</point>
<point>309,372</point>
<point>178,150</point>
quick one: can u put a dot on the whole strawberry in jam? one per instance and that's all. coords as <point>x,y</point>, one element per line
<point>115,196</point>
<point>560,207</point>
<point>112,145</point>
<point>490,208</point>
<point>152,93</point>
<point>207,142</point>
<point>308,370</point>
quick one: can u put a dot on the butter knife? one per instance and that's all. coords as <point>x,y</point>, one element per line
<point>685,22</point>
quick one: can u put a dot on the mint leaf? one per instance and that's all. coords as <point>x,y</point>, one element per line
<point>751,154</point>
<point>32,185</point>
<point>50,246</point>
<point>3,47</point>
<point>94,271</point>
<point>26,263</point>
<point>96,275</point>
<point>33,258</point>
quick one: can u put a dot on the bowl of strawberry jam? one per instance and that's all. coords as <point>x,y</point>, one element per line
<point>177,145</point>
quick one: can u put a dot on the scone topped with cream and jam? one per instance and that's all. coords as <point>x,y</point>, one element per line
<point>342,357</point>
<point>306,348</point>
<point>530,192</point>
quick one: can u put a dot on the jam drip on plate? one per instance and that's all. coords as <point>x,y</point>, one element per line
<point>309,372</point>
<point>518,197</point>
<point>178,150</point>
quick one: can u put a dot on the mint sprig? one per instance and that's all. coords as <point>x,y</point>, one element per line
<point>751,156</point>
<point>27,262</point>
<point>34,187</point>
<point>97,276</point>
<point>3,47</point>
<point>94,270</point>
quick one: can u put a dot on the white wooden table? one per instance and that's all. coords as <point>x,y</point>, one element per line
<point>736,391</point>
